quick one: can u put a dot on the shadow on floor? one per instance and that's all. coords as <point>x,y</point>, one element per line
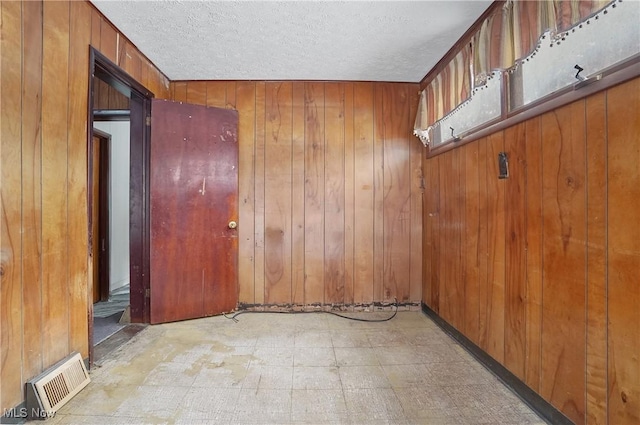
<point>114,341</point>
<point>111,323</point>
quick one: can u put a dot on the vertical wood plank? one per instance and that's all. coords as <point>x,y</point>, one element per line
<point>396,193</point>
<point>179,91</point>
<point>363,104</point>
<point>144,73</point>
<point>444,164</point>
<point>136,63</point>
<point>431,288</point>
<point>121,48</point>
<point>112,98</point>
<point>623,251</point>
<point>277,193</point>
<point>77,178</point>
<point>246,102</point>
<point>109,41</point>
<point>434,189</point>
<point>130,61</point>
<point>334,182</point>
<point>11,307</point>
<point>153,83</point>
<point>426,234</point>
<point>97,94</point>
<point>533,305</point>
<point>496,249</point>
<point>349,190</point>
<point>55,102</point>
<point>158,84</point>
<point>216,93</point>
<point>314,193</point>
<point>378,192</point>
<point>457,296</point>
<point>483,245</point>
<point>471,251</point>
<point>259,187</point>
<point>298,193</point>
<point>415,250</point>
<point>197,92</point>
<point>563,303</point>
<point>445,234</point>
<point>231,95</point>
<point>515,261</point>
<point>96,28</point>
<point>596,259</point>
<point>31,186</point>
<point>450,293</point>
<point>162,85</point>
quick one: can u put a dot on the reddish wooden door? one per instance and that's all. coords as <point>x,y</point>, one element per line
<point>194,197</point>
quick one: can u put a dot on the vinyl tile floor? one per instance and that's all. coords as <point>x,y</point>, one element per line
<point>294,369</point>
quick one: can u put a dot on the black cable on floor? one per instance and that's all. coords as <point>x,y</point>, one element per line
<point>333,313</point>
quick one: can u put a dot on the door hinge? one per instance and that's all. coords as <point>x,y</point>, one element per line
<point>147,293</point>
<point>148,121</point>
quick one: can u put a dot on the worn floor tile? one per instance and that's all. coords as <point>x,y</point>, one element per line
<point>263,406</point>
<point>318,356</point>
<point>455,374</point>
<point>273,356</point>
<point>316,378</point>
<point>179,374</point>
<point>223,375</point>
<point>387,338</point>
<point>294,369</point>
<point>401,354</point>
<point>277,339</point>
<point>152,402</point>
<point>212,404</point>
<point>369,404</point>
<point>430,402</point>
<point>438,353</point>
<point>101,420</point>
<point>363,377</point>
<point>312,321</point>
<point>269,377</point>
<point>314,406</point>
<point>424,336</point>
<point>349,338</point>
<point>313,338</point>
<point>99,400</point>
<point>411,375</point>
<point>356,356</point>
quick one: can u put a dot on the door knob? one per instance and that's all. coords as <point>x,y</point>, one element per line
<point>233,225</point>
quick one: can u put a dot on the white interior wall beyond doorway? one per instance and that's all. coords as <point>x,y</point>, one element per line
<point>119,201</point>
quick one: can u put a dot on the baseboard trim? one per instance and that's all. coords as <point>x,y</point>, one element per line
<point>541,406</point>
<point>316,307</point>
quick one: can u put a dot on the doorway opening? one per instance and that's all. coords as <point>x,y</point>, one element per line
<point>111,285</point>
<point>118,199</point>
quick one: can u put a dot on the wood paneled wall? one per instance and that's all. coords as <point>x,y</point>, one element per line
<point>542,270</point>
<point>330,198</point>
<point>44,305</point>
<point>107,97</point>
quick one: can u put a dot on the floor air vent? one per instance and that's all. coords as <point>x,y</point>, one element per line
<point>53,388</point>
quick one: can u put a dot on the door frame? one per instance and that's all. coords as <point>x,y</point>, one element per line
<point>139,220</point>
<point>104,213</point>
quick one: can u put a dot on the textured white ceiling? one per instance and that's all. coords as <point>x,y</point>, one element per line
<point>301,40</point>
